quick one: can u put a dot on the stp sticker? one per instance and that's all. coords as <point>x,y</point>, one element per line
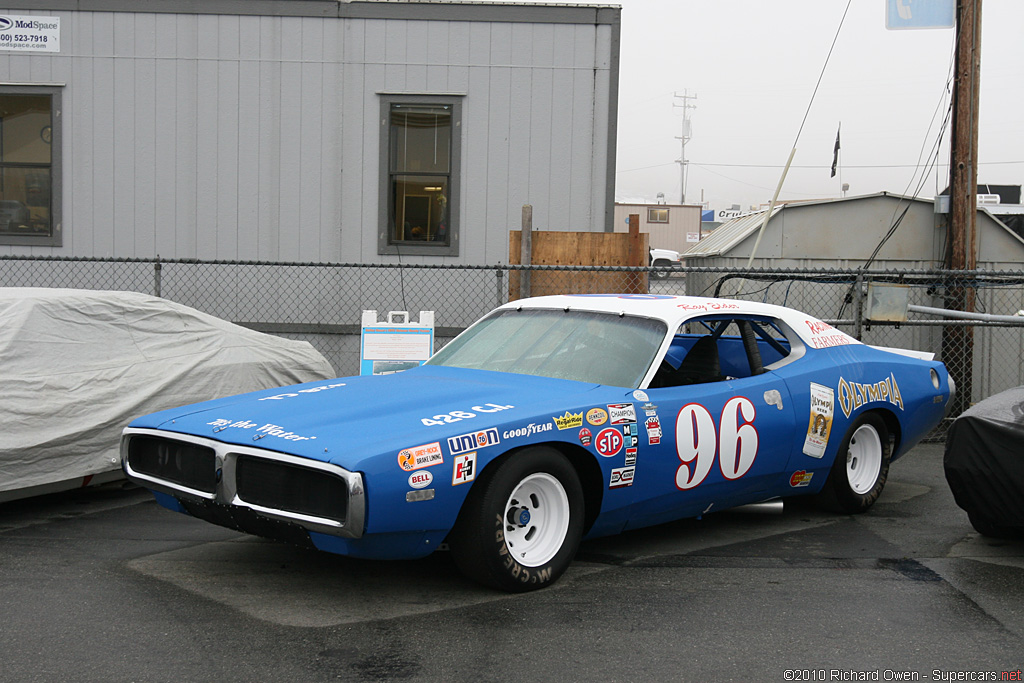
<point>585,436</point>
<point>800,478</point>
<point>608,442</point>
<point>621,413</point>
<point>420,480</point>
<point>621,476</point>
<point>464,468</point>
<point>419,457</point>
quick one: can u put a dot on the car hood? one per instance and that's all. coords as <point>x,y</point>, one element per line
<point>351,420</point>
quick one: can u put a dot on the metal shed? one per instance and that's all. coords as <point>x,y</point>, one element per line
<point>311,131</point>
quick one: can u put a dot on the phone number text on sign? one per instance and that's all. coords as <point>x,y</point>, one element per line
<point>29,34</point>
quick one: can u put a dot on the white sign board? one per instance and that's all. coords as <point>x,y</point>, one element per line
<point>20,33</point>
<point>396,344</point>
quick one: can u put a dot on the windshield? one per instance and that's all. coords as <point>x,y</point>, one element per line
<point>600,348</point>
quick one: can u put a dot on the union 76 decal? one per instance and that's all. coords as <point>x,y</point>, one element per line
<point>697,441</point>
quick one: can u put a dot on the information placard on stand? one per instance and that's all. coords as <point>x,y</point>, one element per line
<point>395,344</point>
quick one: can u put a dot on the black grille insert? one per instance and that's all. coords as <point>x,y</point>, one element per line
<point>292,488</point>
<point>178,462</point>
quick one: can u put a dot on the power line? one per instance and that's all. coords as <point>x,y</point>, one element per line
<point>806,166</point>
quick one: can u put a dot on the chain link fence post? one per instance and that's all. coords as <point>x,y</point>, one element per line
<point>157,272</point>
<point>500,273</point>
<point>858,306</point>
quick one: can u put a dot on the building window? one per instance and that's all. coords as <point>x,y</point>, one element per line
<point>420,178</point>
<point>657,215</point>
<point>29,166</point>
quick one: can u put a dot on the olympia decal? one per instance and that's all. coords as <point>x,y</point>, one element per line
<point>853,395</point>
<point>820,425</point>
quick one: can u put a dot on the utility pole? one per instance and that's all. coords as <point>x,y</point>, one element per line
<point>958,342</point>
<point>686,107</point>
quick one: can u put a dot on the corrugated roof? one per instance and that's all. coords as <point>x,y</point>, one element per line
<point>728,235</point>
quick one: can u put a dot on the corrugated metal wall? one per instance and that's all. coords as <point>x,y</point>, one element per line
<point>256,137</point>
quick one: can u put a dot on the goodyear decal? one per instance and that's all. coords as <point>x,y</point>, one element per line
<point>853,395</point>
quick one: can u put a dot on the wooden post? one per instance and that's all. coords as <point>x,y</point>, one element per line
<point>526,251</point>
<point>958,342</point>
<point>635,256</point>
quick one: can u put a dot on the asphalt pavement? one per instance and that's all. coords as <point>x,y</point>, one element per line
<point>104,585</point>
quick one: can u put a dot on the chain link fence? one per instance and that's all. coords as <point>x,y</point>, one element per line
<point>323,302</point>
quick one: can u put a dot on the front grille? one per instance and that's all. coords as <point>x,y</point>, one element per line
<point>283,486</point>
<point>179,462</point>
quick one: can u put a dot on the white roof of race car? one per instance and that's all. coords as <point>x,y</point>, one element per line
<point>675,310</point>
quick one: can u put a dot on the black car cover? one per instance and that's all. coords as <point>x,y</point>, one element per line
<point>984,463</point>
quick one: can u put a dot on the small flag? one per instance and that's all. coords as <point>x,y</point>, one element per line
<point>835,153</point>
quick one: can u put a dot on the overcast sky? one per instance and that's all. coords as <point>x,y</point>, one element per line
<point>753,65</point>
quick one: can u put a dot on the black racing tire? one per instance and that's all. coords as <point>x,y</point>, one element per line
<point>521,524</point>
<point>861,467</point>
<point>661,274</point>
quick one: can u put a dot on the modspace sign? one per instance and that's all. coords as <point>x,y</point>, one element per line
<point>29,34</point>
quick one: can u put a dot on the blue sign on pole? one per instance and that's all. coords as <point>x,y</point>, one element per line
<point>900,14</point>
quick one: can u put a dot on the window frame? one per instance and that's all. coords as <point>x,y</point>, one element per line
<point>55,237</point>
<point>385,244</point>
<point>653,210</point>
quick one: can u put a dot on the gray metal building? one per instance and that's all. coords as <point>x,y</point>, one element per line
<point>843,233</point>
<point>303,130</point>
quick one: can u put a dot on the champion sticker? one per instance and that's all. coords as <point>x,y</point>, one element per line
<point>621,413</point>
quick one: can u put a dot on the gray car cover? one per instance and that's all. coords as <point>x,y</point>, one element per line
<point>77,366</point>
<point>984,463</point>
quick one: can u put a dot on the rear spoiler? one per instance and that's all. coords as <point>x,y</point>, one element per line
<point>922,355</point>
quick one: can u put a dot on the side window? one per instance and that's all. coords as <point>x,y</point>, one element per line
<point>30,165</point>
<point>420,152</point>
<point>718,348</point>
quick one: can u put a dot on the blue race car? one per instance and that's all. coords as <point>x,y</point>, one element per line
<point>550,420</point>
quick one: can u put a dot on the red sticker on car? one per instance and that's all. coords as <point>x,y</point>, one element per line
<point>608,442</point>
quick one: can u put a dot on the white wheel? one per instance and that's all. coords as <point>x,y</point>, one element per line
<point>861,467</point>
<point>864,459</point>
<point>522,521</point>
<point>536,519</point>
